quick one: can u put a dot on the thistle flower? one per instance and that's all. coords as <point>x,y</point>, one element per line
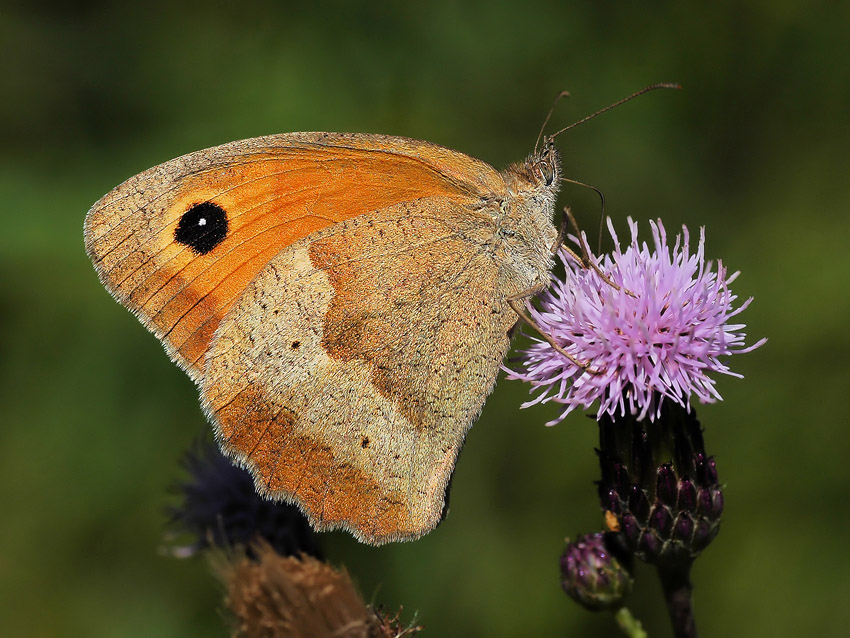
<point>221,508</point>
<point>661,335</point>
<point>596,571</point>
<point>659,486</point>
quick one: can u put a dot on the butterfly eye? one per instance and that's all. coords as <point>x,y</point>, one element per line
<point>547,170</point>
<point>202,227</point>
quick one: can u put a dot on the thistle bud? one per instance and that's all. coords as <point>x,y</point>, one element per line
<point>596,572</point>
<point>658,484</point>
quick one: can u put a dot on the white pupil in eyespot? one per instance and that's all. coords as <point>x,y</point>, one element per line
<point>202,221</point>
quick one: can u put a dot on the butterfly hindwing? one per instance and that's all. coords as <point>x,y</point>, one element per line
<point>350,371</point>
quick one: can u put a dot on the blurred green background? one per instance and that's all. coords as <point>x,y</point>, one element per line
<point>756,148</point>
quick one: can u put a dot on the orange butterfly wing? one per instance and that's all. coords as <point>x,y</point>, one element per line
<point>273,191</point>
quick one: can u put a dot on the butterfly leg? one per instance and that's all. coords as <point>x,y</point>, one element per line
<point>585,258</point>
<point>515,302</point>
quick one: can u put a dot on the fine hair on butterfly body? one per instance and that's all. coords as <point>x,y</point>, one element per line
<point>341,301</point>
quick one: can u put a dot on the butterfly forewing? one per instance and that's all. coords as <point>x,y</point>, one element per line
<point>272,192</point>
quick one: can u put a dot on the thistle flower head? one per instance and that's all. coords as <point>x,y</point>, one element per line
<point>659,334</point>
<point>220,507</point>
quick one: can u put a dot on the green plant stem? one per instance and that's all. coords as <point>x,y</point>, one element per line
<point>629,624</point>
<point>676,582</point>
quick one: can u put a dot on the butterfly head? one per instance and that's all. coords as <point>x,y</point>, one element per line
<point>538,177</point>
<point>545,165</point>
<point>535,180</point>
<point>526,222</point>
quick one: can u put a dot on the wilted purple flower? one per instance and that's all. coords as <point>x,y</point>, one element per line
<point>663,340</point>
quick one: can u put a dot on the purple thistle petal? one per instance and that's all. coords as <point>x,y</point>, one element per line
<point>663,343</point>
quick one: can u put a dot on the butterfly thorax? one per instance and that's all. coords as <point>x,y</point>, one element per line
<point>525,223</point>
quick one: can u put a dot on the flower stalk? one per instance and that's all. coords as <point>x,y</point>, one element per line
<point>675,579</point>
<point>628,624</point>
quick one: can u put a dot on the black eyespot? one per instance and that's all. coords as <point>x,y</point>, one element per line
<point>365,442</point>
<point>202,227</point>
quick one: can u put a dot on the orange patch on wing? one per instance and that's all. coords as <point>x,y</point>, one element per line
<point>329,490</point>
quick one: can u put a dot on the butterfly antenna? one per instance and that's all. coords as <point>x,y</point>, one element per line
<point>647,89</point>
<point>561,96</point>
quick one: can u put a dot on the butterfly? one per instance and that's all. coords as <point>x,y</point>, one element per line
<point>342,301</point>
